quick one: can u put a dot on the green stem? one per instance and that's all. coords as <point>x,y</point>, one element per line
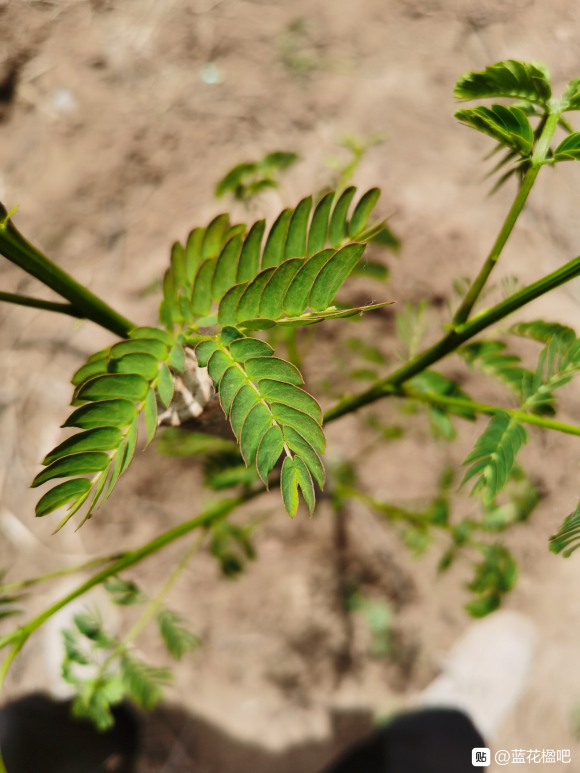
<point>152,608</point>
<point>490,410</point>
<point>540,153</point>
<point>219,510</point>
<point>93,562</point>
<point>450,342</point>
<point>18,250</point>
<point>36,303</point>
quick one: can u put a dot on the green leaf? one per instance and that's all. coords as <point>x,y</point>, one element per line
<point>230,334</point>
<point>171,309</point>
<point>269,450</point>
<point>144,683</point>
<point>193,254</point>
<point>543,331</point>
<point>165,385</point>
<point>229,303</point>
<point>569,148</point>
<point>299,445</point>
<point>296,299</point>
<point>333,275</point>
<point>518,80</point>
<point>89,370</point>
<point>276,288</point>
<point>257,422</point>
<point>124,592</point>
<point>178,640</point>
<point>130,445</point>
<point>385,238</point>
<point>567,538</point>
<point>363,211</point>
<point>62,494</point>
<point>272,367</point>
<point>319,226</point>
<point>213,237</point>
<point>201,299</point>
<point>232,379</point>
<point>244,348</point>
<point>338,230</point>
<point>217,366</point>
<point>305,482</point>
<point>128,386</point>
<point>484,605</point>
<point>85,463</point>
<point>244,401</point>
<point>249,303</point>
<point>113,413</point>
<point>142,364</point>
<point>150,414</point>
<point>226,268</point>
<point>274,249</point>
<point>297,230</point>
<point>302,423</point>
<point>492,458</point>
<point>177,358</point>
<point>249,262</point>
<point>233,178</point>
<point>289,486</point>
<point>571,97</point>
<point>152,332</point>
<point>204,350</point>
<point>282,392</point>
<point>507,125</point>
<point>116,471</point>
<point>177,262</point>
<point>101,439</point>
<point>152,346</point>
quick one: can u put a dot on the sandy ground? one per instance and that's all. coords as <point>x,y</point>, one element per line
<point>111,141</point>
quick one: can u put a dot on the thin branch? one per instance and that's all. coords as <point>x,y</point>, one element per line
<point>19,636</point>
<point>490,410</point>
<point>36,303</point>
<point>450,342</point>
<point>540,154</point>
<point>152,608</point>
<point>91,564</point>
<point>18,250</point>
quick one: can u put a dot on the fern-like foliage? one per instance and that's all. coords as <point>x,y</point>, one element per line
<point>511,79</point>
<point>492,459</point>
<point>490,357</point>
<point>112,390</point>
<point>567,538</point>
<point>178,639</point>
<point>219,288</point>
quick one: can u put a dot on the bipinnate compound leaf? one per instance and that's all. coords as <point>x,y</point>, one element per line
<point>270,415</point>
<point>137,374</point>
<point>492,458</point>
<point>510,78</point>
<point>508,125</point>
<point>178,640</point>
<point>569,148</point>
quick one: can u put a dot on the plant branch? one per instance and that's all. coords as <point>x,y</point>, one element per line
<point>91,564</point>
<point>152,608</point>
<point>18,250</point>
<point>36,303</point>
<point>450,342</point>
<point>540,153</point>
<point>19,636</point>
<point>490,410</point>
